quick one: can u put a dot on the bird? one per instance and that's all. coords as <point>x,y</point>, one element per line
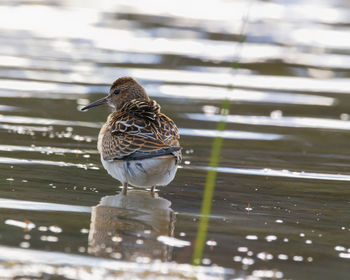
<point>138,144</point>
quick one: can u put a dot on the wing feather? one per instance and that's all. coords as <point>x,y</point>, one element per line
<point>138,130</point>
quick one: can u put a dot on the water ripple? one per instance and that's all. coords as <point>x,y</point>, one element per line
<point>277,173</point>
<point>9,108</point>
<point>46,150</point>
<point>213,93</point>
<point>42,87</point>
<point>7,160</point>
<point>230,134</point>
<point>41,206</point>
<point>44,121</point>
<point>219,78</point>
<point>280,83</point>
<point>298,122</point>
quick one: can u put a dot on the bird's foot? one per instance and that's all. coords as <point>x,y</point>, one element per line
<point>125,188</point>
<point>153,191</point>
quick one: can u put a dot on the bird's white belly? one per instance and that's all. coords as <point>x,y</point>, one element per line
<point>143,173</point>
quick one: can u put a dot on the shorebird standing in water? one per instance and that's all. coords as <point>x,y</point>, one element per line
<point>138,144</point>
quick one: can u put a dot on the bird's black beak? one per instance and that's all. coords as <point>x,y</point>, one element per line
<point>96,103</point>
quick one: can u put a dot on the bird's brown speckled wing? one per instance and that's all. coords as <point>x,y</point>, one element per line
<point>138,130</point>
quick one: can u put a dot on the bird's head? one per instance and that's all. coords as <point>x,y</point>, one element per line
<point>122,90</point>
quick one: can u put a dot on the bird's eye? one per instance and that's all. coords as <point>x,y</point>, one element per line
<point>116,91</point>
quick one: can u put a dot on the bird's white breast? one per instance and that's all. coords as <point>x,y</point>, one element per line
<point>157,171</point>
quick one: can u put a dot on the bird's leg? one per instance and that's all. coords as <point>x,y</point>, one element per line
<point>125,188</point>
<point>153,191</point>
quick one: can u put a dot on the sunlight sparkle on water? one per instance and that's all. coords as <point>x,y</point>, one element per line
<point>25,225</point>
<point>172,241</point>
<point>251,237</point>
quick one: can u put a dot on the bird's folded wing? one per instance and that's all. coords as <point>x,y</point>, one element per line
<point>137,137</point>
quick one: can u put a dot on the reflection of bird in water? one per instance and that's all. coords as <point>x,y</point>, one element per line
<point>138,144</point>
<point>127,227</point>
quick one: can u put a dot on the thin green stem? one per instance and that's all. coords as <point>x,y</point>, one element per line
<point>209,190</point>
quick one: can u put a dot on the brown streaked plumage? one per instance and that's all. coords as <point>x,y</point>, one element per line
<point>138,144</point>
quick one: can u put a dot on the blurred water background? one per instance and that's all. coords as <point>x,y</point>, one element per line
<point>280,209</point>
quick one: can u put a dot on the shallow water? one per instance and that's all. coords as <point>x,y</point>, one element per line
<point>281,199</point>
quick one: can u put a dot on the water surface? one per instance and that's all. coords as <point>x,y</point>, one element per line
<point>281,199</point>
